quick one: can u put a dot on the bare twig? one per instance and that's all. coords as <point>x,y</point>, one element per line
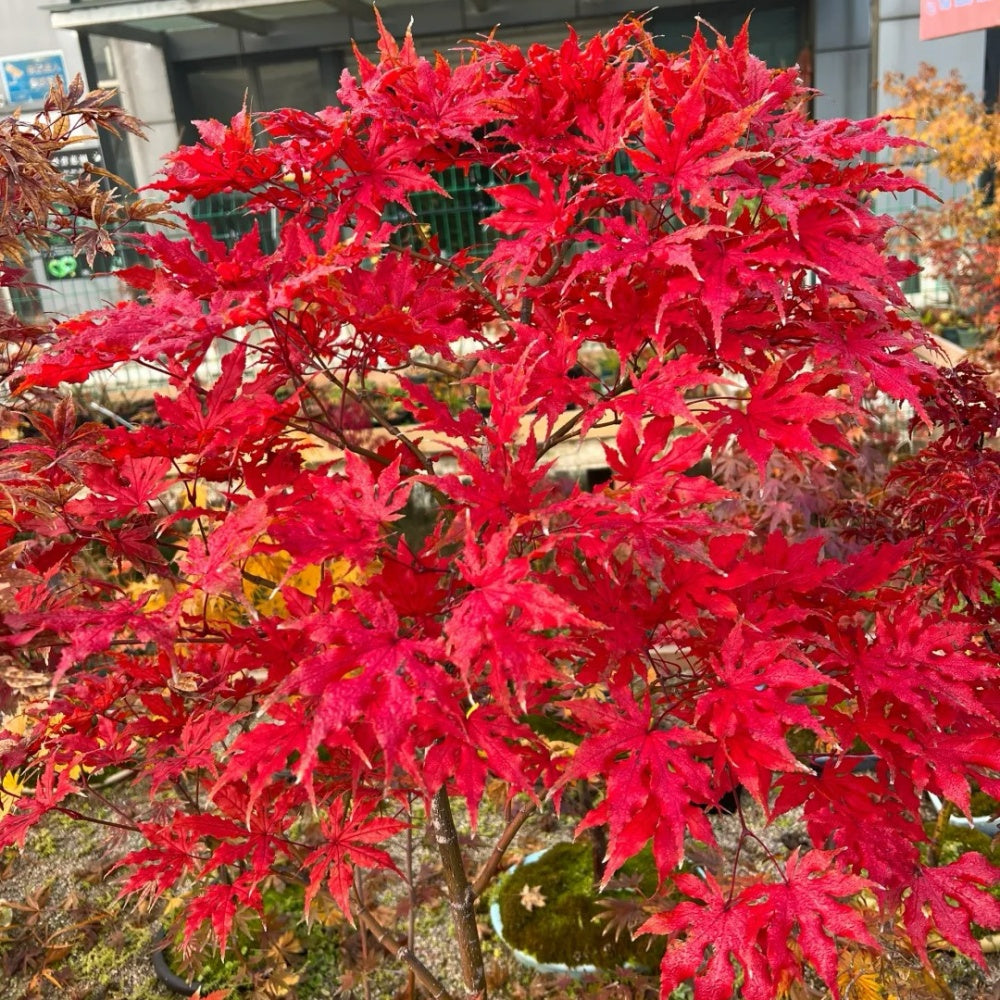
<point>403,954</point>
<point>492,864</point>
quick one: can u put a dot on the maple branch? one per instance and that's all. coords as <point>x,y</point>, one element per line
<point>448,372</point>
<point>76,814</point>
<point>411,917</point>
<point>336,436</point>
<point>403,954</point>
<point>461,895</point>
<point>569,429</point>
<point>470,279</point>
<point>937,835</point>
<point>185,794</point>
<point>258,581</point>
<point>339,441</point>
<point>373,411</point>
<point>34,645</point>
<point>94,792</point>
<point>305,385</point>
<point>359,891</point>
<point>492,864</point>
<point>558,259</point>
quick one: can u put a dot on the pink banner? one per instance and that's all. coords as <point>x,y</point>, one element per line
<point>952,17</point>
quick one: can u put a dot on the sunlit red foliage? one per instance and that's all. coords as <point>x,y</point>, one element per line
<point>682,212</point>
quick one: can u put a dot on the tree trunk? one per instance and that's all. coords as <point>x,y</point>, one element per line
<point>463,900</point>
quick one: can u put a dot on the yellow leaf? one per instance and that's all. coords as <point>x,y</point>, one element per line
<point>858,978</point>
<point>154,591</point>
<point>265,574</point>
<point>531,897</point>
<point>10,791</point>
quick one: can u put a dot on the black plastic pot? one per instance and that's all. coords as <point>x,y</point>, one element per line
<point>165,974</point>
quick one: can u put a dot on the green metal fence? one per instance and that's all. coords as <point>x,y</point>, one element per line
<point>60,283</point>
<point>456,220</point>
<point>228,219</point>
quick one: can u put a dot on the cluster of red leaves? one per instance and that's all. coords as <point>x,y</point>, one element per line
<point>738,274</point>
<point>944,502</point>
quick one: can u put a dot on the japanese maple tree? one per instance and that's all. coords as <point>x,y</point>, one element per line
<point>230,604</point>
<point>39,204</point>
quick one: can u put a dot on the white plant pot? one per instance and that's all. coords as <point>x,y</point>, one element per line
<point>576,971</point>
<point>984,824</point>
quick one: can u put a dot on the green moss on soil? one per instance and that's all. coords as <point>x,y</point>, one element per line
<point>101,964</point>
<point>43,843</point>
<point>570,927</point>
<point>984,805</point>
<point>318,964</point>
<point>958,840</point>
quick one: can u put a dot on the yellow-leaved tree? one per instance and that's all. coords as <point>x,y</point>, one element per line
<point>958,239</point>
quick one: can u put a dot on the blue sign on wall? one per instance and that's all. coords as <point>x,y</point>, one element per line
<point>26,79</point>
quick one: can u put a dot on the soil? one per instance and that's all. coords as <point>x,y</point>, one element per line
<point>64,933</point>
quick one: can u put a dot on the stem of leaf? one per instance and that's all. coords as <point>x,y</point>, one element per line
<point>940,825</point>
<point>359,891</point>
<point>411,921</point>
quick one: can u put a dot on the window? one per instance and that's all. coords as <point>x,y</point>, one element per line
<point>216,89</point>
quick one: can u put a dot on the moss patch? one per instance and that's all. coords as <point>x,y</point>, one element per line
<point>984,805</point>
<point>570,928</point>
<point>958,840</point>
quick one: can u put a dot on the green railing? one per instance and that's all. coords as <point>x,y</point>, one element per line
<point>228,219</point>
<point>456,220</point>
<point>64,285</point>
<point>60,283</point>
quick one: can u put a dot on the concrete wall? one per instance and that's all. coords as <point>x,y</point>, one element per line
<point>842,58</point>
<point>901,50</point>
<point>846,72</point>
<point>27,28</point>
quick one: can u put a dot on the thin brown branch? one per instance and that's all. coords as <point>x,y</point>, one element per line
<point>339,441</point>
<point>76,814</point>
<point>470,279</point>
<point>492,864</point>
<point>403,954</point>
<point>348,393</point>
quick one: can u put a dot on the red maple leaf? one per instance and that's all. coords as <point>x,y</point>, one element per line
<point>949,899</point>
<point>765,928</point>
<point>655,784</point>
<point>349,833</point>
